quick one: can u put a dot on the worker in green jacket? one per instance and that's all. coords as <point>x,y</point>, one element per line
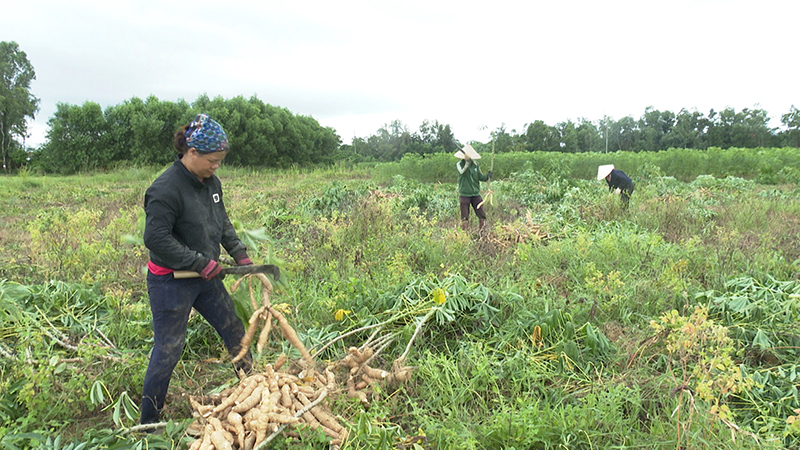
<point>469,186</point>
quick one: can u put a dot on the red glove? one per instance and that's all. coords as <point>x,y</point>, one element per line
<point>212,270</point>
<point>244,260</point>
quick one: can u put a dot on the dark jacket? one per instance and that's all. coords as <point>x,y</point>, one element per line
<point>619,180</point>
<point>469,178</point>
<point>187,221</point>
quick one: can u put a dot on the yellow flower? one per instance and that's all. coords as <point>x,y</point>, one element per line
<point>283,307</point>
<point>439,296</point>
<point>340,313</point>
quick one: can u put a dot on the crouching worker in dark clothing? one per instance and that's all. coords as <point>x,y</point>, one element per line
<point>186,222</point>
<point>617,182</point>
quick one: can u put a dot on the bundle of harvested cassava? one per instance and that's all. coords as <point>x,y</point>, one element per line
<point>283,398</point>
<point>262,406</point>
<point>522,231</point>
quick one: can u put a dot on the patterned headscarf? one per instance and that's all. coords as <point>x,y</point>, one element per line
<point>206,135</point>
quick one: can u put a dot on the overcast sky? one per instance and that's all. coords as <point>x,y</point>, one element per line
<point>356,66</point>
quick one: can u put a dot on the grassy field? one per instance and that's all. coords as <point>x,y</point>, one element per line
<point>570,323</point>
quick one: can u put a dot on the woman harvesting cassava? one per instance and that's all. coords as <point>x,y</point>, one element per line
<point>186,224</point>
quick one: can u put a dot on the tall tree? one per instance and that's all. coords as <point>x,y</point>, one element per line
<point>745,129</point>
<point>654,125</point>
<point>689,131</point>
<point>502,140</point>
<point>540,137</point>
<point>589,138</point>
<point>569,137</point>
<point>77,139</point>
<point>141,131</point>
<point>17,104</point>
<point>791,137</point>
<point>436,137</point>
<point>624,135</point>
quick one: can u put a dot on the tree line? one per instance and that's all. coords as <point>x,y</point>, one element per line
<point>654,131</point>
<point>140,132</point>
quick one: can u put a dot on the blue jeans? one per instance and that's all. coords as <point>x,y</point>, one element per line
<point>171,301</point>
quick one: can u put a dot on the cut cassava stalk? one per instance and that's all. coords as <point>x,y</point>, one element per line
<point>144,427</point>
<point>358,330</point>
<point>416,332</point>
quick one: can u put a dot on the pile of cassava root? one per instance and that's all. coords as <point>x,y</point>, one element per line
<point>284,398</point>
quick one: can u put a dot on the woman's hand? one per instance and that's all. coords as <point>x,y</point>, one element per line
<point>211,270</point>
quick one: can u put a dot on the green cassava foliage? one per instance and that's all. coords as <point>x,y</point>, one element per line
<point>765,165</point>
<point>570,323</point>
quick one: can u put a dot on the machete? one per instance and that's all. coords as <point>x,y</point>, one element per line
<point>238,270</point>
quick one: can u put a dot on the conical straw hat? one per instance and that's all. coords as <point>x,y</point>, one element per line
<point>469,151</point>
<point>603,171</point>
